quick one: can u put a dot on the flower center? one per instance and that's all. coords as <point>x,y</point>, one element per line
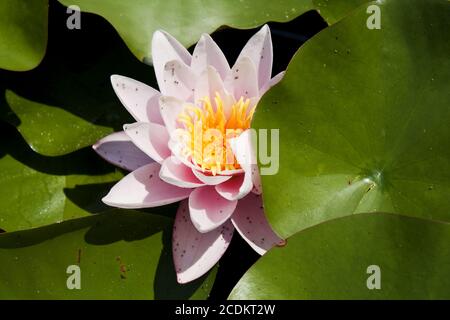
<point>208,129</point>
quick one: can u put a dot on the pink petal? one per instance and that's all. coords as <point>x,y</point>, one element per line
<point>236,188</point>
<point>245,153</point>
<point>166,48</point>
<point>243,79</point>
<point>143,188</point>
<point>208,84</point>
<point>118,149</point>
<point>259,50</point>
<point>208,209</point>
<point>256,179</point>
<point>170,108</point>
<point>251,223</point>
<point>272,82</point>
<point>179,80</point>
<point>151,138</point>
<point>210,179</point>
<point>196,253</point>
<point>139,99</point>
<point>176,173</point>
<point>207,53</point>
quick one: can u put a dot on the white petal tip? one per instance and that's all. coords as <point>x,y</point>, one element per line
<point>106,201</point>
<point>115,78</point>
<point>205,36</point>
<point>131,126</point>
<point>182,280</point>
<point>260,251</point>
<point>126,126</point>
<point>186,277</point>
<point>110,202</point>
<point>185,280</point>
<point>158,32</point>
<point>203,229</point>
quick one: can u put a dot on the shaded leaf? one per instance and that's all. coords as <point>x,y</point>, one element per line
<point>68,102</point>
<point>136,21</point>
<point>39,190</point>
<point>52,131</point>
<point>121,255</point>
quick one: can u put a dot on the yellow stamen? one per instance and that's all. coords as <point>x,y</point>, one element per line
<point>209,132</point>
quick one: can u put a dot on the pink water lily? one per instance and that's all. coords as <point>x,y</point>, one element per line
<point>219,192</point>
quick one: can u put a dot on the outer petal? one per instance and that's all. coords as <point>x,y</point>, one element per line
<point>272,82</point>
<point>143,188</point>
<point>139,99</point>
<point>151,138</point>
<point>207,53</point>
<point>176,173</point>
<point>118,149</point>
<point>179,80</point>
<point>195,253</point>
<point>252,225</point>
<point>236,188</point>
<point>208,210</point>
<point>170,108</point>
<point>243,80</point>
<point>259,50</point>
<point>164,49</point>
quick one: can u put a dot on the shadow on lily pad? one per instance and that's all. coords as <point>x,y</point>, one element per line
<point>133,244</point>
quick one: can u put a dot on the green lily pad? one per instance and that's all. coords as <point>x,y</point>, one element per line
<point>67,102</point>
<point>39,190</point>
<point>334,10</point>
<point>365,256</point>
<point>23,30</point>
<point>119,255</point>
<point>363,116</point>
<point>50,130</point>
<point>136,21</point>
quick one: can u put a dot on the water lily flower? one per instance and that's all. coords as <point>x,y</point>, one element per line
<point>191,142</point>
